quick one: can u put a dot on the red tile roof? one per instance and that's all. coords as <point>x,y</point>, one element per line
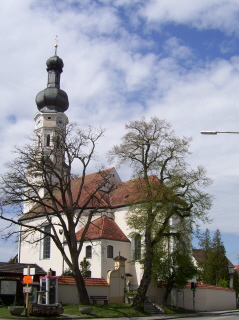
<point>93,184</point>
<point>132,191</point>
<point>208,286</point>
<point>103,228</point>
<point>120,195</point>
<point>67,280</point>
<point>237,268</point>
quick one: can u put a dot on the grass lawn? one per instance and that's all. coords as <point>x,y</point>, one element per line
<point>173,310</point>
<point>99,311</point>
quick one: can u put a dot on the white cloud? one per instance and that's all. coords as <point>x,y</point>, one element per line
<point>201,14</point>
<point>173,48</point>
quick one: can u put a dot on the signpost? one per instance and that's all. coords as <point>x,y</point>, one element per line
<point>28,272</point>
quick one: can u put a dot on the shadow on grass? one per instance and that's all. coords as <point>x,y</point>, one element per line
<point>99,311</point>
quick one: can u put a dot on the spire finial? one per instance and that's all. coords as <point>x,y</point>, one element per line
<point>56,45</point>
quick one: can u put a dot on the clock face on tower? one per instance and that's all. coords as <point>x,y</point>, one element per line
<point>60,122</point>
<point>39,122</point>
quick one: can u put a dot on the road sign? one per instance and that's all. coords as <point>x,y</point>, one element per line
<point>27,289</point>
<point>27,279</point>
<point>26,270</point>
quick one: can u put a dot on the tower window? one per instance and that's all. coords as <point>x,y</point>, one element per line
<point>48,140</point>
<point>58,142</point>
<point>88,252</point>
<point>110,251</point>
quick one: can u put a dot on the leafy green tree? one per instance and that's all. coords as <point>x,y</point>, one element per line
<point>166,188</point>
<point>218,262</point>
<point>236,282</point>
<point>205,244</point>
<point>214,263</point>
<point>223,283</point>
<point>174,267</point>
<point>85,267</point>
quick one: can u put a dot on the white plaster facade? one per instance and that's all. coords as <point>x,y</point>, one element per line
<point>100,264</point>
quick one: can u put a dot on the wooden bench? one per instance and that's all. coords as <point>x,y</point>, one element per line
<point>99,298</point>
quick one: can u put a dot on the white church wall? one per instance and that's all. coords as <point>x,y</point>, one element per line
<point>95,259</point>
<point>31,253</point>
<point>119,247</point>
<point>100,264</point>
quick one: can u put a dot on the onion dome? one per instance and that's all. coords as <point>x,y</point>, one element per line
<point>55,62</point>
<point>53,99</point>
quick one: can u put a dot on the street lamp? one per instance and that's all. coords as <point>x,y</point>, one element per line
<point>216,132</point>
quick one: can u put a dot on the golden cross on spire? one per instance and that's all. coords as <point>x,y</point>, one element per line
<point>56,45</point>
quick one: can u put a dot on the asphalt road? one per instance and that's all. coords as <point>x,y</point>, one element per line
<point>220,315</point>
<point>217,315</point>
<point>229,316</point>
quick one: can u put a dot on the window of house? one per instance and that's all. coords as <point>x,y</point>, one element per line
<point>88,251</point>
<point>110,251</point>
<point>46,243</point>
<point>137,247</point>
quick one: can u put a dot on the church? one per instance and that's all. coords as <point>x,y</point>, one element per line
<point>108,234</point>
<point>101,201</point>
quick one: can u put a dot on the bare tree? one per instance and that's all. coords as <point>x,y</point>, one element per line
<point>167,188</point>
<point>40,183</point>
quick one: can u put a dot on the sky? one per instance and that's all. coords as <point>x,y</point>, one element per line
<point>123,60</point>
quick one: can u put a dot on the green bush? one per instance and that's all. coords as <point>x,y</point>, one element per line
<point>130,293</point>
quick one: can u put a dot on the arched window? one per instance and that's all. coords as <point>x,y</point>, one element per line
<point>110,251</point>
<point>46,243</point>
<point>48,140</point>
<point>88,252</point>
<point>137,247</point>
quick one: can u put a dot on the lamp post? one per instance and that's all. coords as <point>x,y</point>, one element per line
<point>216,132</point>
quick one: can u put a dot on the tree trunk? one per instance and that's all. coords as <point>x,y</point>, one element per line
<point>80,284</point>
<point>138,303</point>
<point>168,290</point>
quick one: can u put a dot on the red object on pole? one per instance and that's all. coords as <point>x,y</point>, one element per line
<point>27,279</point>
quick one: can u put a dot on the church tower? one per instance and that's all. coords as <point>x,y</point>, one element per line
<point>50,130</point>
<point>52,102</point>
